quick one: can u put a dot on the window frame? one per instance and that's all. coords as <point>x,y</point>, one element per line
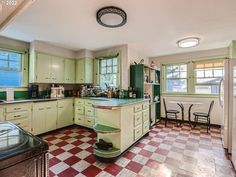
<point>191,77</point>
<point>118,68</point>
<point>24,67</point>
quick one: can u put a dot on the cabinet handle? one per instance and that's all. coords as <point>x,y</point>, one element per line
<point>41,109</point>
<point>49,107</point>
<point>17,108</point>
<point>89,111</point>
<point>89,121</point>
<point>17,116</point>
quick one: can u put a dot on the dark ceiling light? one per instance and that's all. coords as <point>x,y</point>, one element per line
<point>111,17</point>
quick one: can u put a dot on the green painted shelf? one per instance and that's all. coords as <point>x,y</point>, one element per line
<point>113,152</point>
<point>105,129</point>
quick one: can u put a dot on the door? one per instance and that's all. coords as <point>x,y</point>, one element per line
<point>69,71</point>
<point>50,116</point>
<point>43,71</point>
<point>88,71</point>
<point>65,113</point>
<point>38,119</point>
<point>1,115</point>
<point>80,71</point>
<point>228,104</point>
<point>234,117</point>
<point>57,69</point>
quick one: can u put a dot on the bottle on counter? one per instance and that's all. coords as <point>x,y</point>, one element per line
<point>134,93</point>
<point>130,91</point>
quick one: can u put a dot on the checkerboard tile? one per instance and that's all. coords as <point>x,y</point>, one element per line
<point>166,152</point>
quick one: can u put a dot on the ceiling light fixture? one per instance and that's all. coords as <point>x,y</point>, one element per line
<point>111,17</point>
<point>188,42</point>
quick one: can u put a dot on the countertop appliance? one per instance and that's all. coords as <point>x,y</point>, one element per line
<point>226,100</point>
<point>34,91</point>
<point>21,153</point>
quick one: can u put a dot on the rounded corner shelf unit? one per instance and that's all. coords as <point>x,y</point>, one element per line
<point>105,129</point>
<point>113,152</point>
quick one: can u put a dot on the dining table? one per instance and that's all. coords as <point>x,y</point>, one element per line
<point>182,105</point>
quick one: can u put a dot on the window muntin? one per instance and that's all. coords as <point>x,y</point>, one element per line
<point>108,69</point>
<point>208,76</point>
<point>176,78</point>
<point>10,69</point>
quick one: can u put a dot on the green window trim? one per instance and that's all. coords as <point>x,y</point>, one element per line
<point>191,77</point>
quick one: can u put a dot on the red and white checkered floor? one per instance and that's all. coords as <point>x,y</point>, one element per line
<point>167,152</point>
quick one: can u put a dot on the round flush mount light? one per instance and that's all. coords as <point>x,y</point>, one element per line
<point>188,42</point>
<point>111,17</point>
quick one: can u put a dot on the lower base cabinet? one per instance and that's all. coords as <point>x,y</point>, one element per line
<point>65,113</point>
<point>44,117</point>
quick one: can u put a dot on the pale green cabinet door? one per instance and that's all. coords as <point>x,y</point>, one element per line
<point>89,71</point>
<point>65,113</point>
<point>80,71</point>
<point>38,118</point>
<point>43,71</point>
<point>51,115</point>
<point>69,71</point>
<point>1,115</point>
<point>57,69</point>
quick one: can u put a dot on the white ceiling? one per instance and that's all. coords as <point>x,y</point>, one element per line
<point>153,26</point>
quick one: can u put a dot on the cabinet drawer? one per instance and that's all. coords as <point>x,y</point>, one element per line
<point>23,123</point>
<point>15,108</point>
<point>88,103</point>
<point>137,119</point>
<point>89,121</point>
<point>17,115</point>
<point>79,110</point>
<point>146,126</point>
<point>138,132</point>
<point>79,119</point>
<point>145,115</point>
<point>1,114</point>
<point>79,102</point>
<point>138,108</point>
<point>89,111</point>
<point>145,106</point>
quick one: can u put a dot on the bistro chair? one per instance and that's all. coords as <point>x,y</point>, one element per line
<point>170,113</point>
<point>204,117</point>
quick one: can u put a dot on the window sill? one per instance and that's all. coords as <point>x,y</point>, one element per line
<point>3,89</point>
<point>190,95</point>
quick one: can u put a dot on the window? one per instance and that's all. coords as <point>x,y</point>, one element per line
<point>194,77</point>
<point>208,76</point>
<point>11,74</point>
<point>108,72</point>
<point>176,78</point>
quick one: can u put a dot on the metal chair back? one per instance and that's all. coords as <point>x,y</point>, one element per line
<point>210,108</point>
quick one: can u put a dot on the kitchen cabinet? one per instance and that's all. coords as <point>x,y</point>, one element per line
<point>57,69</point>
<point>65,113</point>
<point>19,114</point>
<point>84,113</point>
<point>69,76</point>
<point>44,117</point>
<point>2,114</point>
<point>84,70</point>
<point>45,68</point>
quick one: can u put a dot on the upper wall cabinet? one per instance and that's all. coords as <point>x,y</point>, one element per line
<point>69,76</point>
<point>84,71</point>
<point>45,68</point>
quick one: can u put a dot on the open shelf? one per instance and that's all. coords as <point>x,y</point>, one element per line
<point>113,152</point>
<point>105,129</point>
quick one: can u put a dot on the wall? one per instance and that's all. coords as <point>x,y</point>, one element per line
<point>217,116</point>
<point>13,44</point>
<point>44,47</point>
